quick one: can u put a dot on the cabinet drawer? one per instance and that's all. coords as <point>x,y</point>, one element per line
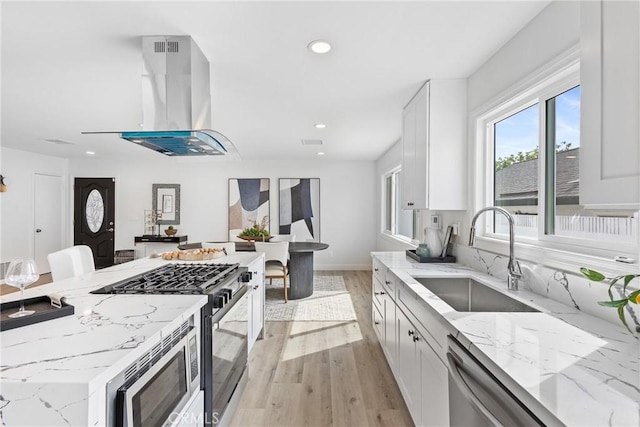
<point>378,324</point>
<point>435,333</point>
<point>379,270</point>
<point>389,285</point>
<point>378,292</point>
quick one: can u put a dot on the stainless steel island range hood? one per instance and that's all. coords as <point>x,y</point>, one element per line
<point>176,101</point>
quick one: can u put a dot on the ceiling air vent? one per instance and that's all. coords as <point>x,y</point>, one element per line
<point>311,142</point>
<point>58,141</point>
<point>172,47</point>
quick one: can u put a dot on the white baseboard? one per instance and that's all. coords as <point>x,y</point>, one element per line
<point>342,267</point>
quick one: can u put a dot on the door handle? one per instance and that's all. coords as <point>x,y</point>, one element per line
<point>110,230</point>
<point>38,230</point>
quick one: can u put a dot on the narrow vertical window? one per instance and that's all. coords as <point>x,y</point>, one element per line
<point>515,168</point>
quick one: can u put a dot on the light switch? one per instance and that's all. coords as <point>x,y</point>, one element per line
<point>436,222</point>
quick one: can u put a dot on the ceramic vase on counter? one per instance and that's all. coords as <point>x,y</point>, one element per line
<point>434,243</point>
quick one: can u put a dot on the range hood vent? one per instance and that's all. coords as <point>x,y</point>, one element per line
<point>176,101</point>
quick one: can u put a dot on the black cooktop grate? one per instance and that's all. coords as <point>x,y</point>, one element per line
<point>187,279</point>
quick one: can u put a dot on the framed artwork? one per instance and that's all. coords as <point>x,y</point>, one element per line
<point>166,203</point>
<point>248,204</point>
<point>300,208</point>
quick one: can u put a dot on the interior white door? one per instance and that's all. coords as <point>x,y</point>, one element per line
<point>48,219</point>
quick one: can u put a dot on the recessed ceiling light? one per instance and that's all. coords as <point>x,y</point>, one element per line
<point>319,46</point>
<point>320,126</point>
<point>320,153</point>
<point>91,153</point>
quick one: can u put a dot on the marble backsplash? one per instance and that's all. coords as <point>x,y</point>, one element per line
<point>571,289</point>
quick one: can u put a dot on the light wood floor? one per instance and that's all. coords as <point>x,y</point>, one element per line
<point>323,373</point>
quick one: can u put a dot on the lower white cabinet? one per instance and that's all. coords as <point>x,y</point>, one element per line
<point>408,372</point>
<point>419,371</point>
<point>256,301</point>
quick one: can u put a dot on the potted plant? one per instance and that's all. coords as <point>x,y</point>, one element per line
<point>619,303</point>
<point>256,232</point>
<point>170,231</point>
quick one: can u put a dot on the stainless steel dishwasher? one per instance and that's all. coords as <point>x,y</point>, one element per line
<point>477,398</point>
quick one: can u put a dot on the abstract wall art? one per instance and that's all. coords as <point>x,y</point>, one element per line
<point>248,204</point>
<point>300,208</point>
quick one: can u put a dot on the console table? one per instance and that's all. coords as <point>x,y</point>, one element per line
<point>148,244</point>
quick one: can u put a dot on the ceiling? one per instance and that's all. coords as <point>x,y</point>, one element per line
<point>69,67</point>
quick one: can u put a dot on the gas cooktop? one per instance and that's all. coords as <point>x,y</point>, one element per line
<point>177,279</point>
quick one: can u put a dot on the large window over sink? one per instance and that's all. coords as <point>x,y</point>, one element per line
<point>397,222</point>
<point>532,146</point>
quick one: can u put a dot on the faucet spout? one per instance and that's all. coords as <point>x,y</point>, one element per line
<point>514,272</point>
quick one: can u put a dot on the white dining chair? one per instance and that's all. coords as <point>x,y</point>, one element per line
<point>275,257</point>
<point>71,262</point>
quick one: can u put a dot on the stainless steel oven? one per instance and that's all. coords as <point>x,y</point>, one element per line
<point>229,329</point>
<point>155,389</point>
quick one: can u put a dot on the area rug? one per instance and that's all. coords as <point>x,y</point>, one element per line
<point>330,301</point>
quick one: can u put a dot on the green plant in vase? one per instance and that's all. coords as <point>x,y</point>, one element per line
<point>619,303</point>
<point>256,232</point>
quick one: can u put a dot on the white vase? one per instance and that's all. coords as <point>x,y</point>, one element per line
<point>433,240</point>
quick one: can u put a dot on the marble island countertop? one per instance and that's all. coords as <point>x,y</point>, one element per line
<point>569,367</point>
<point>54,372</point>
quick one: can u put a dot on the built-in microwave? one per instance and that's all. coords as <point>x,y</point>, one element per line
<point>154,391</point>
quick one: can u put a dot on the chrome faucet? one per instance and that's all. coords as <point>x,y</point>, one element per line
<point>514,273</point>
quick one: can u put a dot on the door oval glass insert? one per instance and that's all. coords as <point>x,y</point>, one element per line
<point>94,210</point>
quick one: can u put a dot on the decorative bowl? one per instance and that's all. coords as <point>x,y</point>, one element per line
<point>171,232</point>
<point>255,238</point>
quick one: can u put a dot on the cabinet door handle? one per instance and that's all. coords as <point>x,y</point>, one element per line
<point>381,292</point>
<point>375,269</point>
<point>416,338</point>
<point>376,322</point>
<point>387,282</point>
<point>411,332</point>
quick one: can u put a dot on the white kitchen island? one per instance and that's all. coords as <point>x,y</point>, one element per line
<point>54,373</point>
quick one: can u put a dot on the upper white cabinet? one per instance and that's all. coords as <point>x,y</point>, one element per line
<point>610,105</point>
<point>434,161</point>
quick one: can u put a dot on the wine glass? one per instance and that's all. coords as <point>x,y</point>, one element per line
<point>20,274</point>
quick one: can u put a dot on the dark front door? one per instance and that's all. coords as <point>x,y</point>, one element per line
<point>94,217</point>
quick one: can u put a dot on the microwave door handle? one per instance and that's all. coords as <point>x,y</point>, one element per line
<point>466,391</point>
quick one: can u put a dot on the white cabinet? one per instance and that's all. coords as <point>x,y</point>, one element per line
<point>408,372</point>
<point>610,103</point>
<point>434,147</point>
<point>256,300</point>
<point>434,386</point>
<point>383,312</point>
<point>421,376</point>
<point>412,340</point>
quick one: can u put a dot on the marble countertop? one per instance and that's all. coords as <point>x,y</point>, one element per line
<point>569,367</point>
<point>54,373</point>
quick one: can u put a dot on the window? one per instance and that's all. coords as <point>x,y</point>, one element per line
<point>397,222</point>
<point>533,147</point>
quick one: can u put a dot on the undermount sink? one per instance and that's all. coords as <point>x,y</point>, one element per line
<point>468,295</point>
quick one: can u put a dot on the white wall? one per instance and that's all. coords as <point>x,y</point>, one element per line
<point>551,33</point>
<point>347,193</point>
<point>17,230</point>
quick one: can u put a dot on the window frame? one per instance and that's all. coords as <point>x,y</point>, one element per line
<point>557,251</point>
<point>396,204</point>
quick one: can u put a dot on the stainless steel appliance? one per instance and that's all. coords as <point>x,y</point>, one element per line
<point>477,398</point>
<point>224,338</point>
<point>229,332</point>
<point>158,385</point>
